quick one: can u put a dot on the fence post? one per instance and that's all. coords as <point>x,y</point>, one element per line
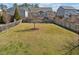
<point>20,21</point>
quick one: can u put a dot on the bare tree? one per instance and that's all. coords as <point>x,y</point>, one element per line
<point>34,23</point>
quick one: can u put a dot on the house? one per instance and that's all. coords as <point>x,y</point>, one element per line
<point>2,7</point>
<point>40,13</point>
<point>22,11</point>
<point>0,12</point>
<point>66,11</point>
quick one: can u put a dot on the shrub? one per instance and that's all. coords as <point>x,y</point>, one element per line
<point>12,19</point>
<point>1,20</point>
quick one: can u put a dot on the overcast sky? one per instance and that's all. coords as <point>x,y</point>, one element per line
<point>53,5</point>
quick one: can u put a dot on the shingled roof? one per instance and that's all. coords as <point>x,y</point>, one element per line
<point>41,9</point>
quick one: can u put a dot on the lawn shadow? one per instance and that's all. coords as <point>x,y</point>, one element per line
<point>31,29</point>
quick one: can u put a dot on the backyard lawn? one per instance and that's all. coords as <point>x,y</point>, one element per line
<point>46,39</point>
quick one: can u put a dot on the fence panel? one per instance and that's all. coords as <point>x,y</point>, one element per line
<point>66,24</point>
<point>9,25</point>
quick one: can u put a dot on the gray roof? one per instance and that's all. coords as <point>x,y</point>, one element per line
<point>67,7</point>
<point>41,9</point>
<point>12,9</point>
<point>20,8</point>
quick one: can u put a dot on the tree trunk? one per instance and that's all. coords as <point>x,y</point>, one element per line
<point>34,25</point>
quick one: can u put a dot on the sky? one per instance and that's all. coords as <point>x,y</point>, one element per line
<point>54,6</point>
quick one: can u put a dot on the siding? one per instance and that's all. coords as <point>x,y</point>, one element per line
<point>22,12</point>
<point>60,11</point>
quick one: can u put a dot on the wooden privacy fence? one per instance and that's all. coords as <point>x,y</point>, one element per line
<point>72,26</point>
<point>9,25</point>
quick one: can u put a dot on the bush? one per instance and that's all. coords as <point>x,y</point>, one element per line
<point>45,19</point>
<point>1,20</point>
<point>12,19</point>
<point>60,17</point>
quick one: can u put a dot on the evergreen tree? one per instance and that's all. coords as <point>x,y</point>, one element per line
<point>16,13</point>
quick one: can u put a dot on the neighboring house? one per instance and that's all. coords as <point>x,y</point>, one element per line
<point>2,6</point>
<point>23,12</point>
<point>66,11</point>
<point>40,12</point>
<point>33,12</point>
<point>74,19</point>
<point>0,12</point>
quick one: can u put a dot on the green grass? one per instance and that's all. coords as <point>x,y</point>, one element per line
<point>49,39</point>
